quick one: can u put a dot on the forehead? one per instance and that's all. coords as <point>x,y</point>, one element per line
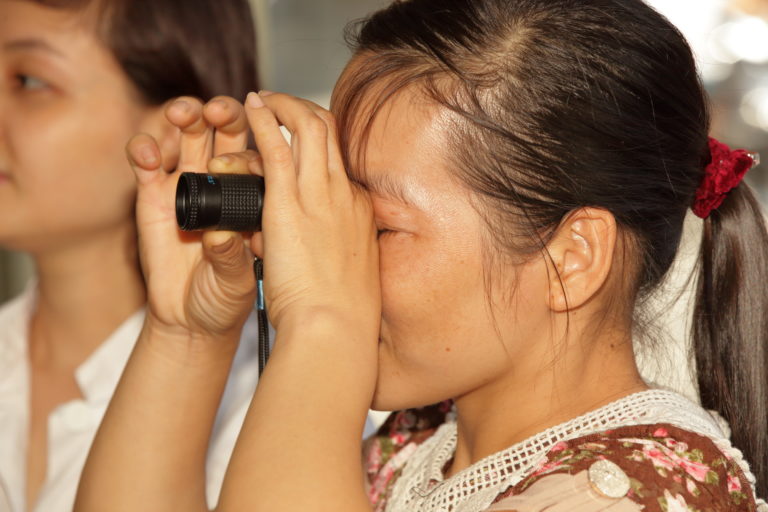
<point>403,142</point>
<point>66,38</point>
<point>408,127</point>
<point>48,18</point>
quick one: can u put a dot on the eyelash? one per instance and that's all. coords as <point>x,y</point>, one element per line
<point>383,232</point>
<point>24,79</point>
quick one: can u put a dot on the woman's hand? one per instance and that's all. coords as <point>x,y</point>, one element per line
<point>322,285</point>
<point>151,448</point>
<point>319,238</point>
<point>321,280</point>
<point>194,288</point>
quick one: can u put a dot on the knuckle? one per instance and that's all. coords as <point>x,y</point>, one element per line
<point>331,123</point>
<point>314,126</point>
<point>260,120</point>
<point>280,156</point>
<point>327,117</point>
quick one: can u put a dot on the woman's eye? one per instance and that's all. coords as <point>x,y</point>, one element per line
<point>30,82</point>
<point>382,232</point>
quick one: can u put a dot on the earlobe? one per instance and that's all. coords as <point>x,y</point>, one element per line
<point>582,254</point>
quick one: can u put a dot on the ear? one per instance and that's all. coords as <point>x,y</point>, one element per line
<point>581,252</point>
<point>167,135</point>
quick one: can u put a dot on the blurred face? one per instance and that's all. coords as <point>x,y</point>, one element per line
<point>66,112</point>
<point>443,333</point>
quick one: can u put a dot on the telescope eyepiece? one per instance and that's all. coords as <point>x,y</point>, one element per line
<point>225,202</point>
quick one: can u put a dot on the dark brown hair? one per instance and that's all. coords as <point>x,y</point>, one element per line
<point>172,48</point>
<point>566,104</point>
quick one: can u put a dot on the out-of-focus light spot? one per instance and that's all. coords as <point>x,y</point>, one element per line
<point>696,19</point>
<point>718,50</point>
<point>742,40</point>
<point>754,108</point>
<point>713,72</point>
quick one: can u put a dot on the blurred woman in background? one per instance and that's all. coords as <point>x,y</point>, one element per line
<point>79,78</point>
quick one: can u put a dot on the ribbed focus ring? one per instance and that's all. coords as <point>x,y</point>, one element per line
<point>240,204</point>
<point>194,204</point>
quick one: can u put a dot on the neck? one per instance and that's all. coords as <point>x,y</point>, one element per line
<point>85,291</point>
<point>504,412</point>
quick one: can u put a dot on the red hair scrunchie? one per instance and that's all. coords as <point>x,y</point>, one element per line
<point>723,174</point>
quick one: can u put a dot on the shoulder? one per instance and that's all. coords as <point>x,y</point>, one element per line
<point>385,453</point>
<point>650,467</point>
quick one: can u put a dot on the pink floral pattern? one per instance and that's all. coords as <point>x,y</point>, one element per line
<point>670,469</point>
<point>386,453</point>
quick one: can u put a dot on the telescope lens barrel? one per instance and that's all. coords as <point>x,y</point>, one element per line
<point>225,202</point>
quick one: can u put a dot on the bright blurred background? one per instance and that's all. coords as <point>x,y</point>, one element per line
<point>302,52</point>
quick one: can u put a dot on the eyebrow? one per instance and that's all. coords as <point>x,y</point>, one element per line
<point>32,44</point>
<point>383,185</point>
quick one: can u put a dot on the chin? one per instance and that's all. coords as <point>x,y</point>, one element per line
<point>401,385</point>
<point>395,393</point>
<point>381,403</point>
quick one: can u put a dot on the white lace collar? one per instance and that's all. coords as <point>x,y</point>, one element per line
<point>423,488</point>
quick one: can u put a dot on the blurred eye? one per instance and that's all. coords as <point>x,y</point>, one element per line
<point>30,82</point>
<point>383,232</point>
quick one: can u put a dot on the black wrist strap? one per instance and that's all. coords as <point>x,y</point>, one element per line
<point>261,312</point>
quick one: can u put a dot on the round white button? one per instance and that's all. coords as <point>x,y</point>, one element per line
<point>609,479</point>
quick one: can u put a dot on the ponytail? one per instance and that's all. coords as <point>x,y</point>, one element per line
<point>730,324</point>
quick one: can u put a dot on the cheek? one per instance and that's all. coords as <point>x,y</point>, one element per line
<point>417,280</point>
<point>438,340</point>
<point>432,297</point>
<point>70,160</point>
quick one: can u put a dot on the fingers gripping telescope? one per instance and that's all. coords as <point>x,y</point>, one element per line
<point>225,202</point>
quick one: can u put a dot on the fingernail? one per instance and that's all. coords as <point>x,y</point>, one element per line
<point>182,105</point>
<point>219,103</point>
<point>148,156</point>
<point>265,92</point>
<point>254,101</point>
<point>220,163</point>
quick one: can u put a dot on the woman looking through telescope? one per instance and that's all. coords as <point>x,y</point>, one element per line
<point>500,185</point>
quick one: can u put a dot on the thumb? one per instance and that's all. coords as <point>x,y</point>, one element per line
<point>228,256</point>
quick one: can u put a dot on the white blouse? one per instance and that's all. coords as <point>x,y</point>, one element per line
<point>72,426</point>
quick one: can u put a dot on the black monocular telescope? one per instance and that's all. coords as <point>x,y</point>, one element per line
<point>224,202</point>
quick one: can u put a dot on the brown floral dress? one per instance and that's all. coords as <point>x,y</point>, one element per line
<point>668,469</point>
